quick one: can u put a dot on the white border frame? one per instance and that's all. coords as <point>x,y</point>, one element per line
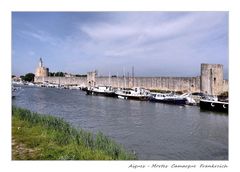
<point>113,5</point>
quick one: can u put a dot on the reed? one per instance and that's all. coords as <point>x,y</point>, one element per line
<point>46,137</point>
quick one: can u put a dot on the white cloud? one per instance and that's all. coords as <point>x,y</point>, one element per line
<point>41,36</point>
<point>152,42</point>
<point>158,43</point>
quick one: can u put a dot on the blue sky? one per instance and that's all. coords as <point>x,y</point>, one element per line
<point>155,43</point>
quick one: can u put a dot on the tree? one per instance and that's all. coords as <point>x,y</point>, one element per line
<point>22,77</point>
<point>59,74</point>
<point>51,74</point>
<point>29,77</point>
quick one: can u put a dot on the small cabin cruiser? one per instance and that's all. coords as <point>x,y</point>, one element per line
<point>168,98</point>
<point>136,93</point>
<point>212,104</point>
<point>101,91</point>
<point>189,98</point>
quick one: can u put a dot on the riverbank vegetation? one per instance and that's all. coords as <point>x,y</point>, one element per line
<point>44,137</point>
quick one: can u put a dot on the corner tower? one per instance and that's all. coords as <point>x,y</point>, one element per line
<point>40,63</point>
<point>211,79</point>
<point>41,71</point>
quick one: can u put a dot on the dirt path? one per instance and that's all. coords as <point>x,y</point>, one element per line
<point>21,152</point>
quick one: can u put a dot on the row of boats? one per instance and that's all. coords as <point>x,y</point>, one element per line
<point>205,101</point>
<point>50,85</point>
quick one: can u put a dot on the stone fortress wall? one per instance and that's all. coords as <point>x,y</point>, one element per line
<point>158,83</point>
<point>225,86</point>
<point>210,82</point>
<point>82,81</point>
<point>184,84</point>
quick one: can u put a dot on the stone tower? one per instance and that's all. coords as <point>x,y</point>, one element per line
<point>41,71</point>
<point>40,63</point>
<point>211,79</point>
<point>91,78</point>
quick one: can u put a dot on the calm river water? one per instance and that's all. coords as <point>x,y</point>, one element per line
<point>154,131</point>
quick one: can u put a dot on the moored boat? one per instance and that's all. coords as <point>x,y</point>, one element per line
<point>197,96</point>
<point>189,98</point>
<point>214,105</point>
<point>168,98</point>
<point>107,91</point>
<point>136,93</point>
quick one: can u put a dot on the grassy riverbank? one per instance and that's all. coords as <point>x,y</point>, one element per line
<point>42,137</point>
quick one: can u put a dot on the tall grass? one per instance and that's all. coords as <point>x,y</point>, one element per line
<point>53,138</point>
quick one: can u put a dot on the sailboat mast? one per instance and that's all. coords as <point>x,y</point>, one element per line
<point>133,76</point>
<point>109,79</point>
<point>124,78</point>
<point>117,81</point>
